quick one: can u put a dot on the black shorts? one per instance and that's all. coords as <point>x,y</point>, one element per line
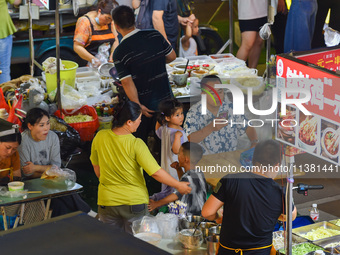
<point>252,24</point>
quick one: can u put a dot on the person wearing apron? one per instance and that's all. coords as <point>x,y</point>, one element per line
<point>252,203</point>
<point>93,30</point>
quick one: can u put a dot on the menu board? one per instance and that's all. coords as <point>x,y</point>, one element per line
<point>319,132</point>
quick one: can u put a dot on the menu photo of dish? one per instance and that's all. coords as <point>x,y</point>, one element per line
<point>307,132</point>
<point>330,138</point>
<point>286,126</point>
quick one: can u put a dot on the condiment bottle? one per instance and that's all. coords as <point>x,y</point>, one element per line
<point>106,112</point>
<point>314,213</point>
<point>98,110</point>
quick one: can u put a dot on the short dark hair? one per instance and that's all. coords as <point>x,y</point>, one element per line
<point>126,111</point>
<point>34,116</point>
<point>193,150</point>
<point>167,108</point>
<point>123,16</point>
<point>210,78</point>
<point>16,137</point>
<point>106,6</point>
<point>267,153</point>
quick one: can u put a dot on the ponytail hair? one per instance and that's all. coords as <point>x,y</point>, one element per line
<point>126,111</point>
<point>33,116</point>
<point>167,108</point>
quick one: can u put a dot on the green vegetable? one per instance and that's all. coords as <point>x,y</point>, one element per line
<point>78,118</point>
<point>302,249</point>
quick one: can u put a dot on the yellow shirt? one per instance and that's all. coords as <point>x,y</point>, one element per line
<point>121,159</point>
<point>6,25</point>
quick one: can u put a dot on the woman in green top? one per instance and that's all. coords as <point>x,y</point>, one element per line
<point>7,28</point>
<point>118,159</point>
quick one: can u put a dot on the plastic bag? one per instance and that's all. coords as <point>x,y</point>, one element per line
<point>3,103</point>
<point>146,224</point>
<point>69,138</point>
<point>50,65</point>
<point>102,55</point>
<point>332,37</point>
<point>167,224</point>
<point>265,31</point>
<point>71,98</point>
<point>63,176</point>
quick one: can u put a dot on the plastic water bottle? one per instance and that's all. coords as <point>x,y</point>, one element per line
<point>314,213</point>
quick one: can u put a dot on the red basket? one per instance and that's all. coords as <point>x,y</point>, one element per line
<point>87,129</point>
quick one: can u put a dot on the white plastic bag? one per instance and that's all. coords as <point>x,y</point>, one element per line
<point>71,98</point>
<point>167,224</point>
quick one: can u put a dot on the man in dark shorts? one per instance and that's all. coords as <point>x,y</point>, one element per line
<point>252,203</point>
<point>140,61</point>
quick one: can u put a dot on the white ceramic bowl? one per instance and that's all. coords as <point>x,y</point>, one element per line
<point>199,73</point>
<point>331,156</point>
<point>305,146</point>
<point>180,78</point>
<point>15,186</point>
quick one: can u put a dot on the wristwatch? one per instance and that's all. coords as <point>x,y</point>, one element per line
<point>254,141</point>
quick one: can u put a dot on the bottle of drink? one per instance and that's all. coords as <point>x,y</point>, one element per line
<point>106,112</point>
<point>314,212</point>
<point>98,110</point>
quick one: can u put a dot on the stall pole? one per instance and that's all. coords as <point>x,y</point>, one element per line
<point>289,208</point>
<point>57,43</point>
<point>30,36</point>
<point>268,44</point>
<point>231,26</point>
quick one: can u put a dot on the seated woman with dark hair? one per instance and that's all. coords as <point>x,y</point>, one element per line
<point>38,151</point>
<point>9,158</point>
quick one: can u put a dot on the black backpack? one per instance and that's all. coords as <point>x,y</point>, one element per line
<point>144,17</point>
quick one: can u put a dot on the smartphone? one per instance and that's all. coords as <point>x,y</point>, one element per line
<point>223,115</point>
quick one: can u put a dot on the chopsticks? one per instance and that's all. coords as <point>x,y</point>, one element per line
<point>5,169</point>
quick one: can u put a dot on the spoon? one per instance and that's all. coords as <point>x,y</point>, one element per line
<point>186,66</point>
<point>197,226</point>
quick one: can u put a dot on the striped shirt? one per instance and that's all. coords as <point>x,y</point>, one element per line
<point>198,195</point>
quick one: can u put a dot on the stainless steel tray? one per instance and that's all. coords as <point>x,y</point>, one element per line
<point>326,241</point>
<point>295,239</point>
<point>334,221</point>
<point>319,248</point>
<point>304,230</point>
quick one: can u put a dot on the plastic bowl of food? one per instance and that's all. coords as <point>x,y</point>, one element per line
<point>149,237</point>
<point>254,82</point>
<point>15,186</point>
<point>190,241</point>
<point>327,143</point>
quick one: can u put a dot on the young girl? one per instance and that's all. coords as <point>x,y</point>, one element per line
<point>169,130</point>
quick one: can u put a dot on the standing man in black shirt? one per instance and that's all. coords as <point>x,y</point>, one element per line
<point>140,60</point>
<point>252,203</point>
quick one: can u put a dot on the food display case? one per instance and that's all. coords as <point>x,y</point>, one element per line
<point>317,231</point>
<point>331,244</point>
<point>335,222</point>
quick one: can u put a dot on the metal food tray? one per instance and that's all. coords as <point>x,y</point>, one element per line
<point>334,221</point>
<point>324,242</point>
<point>278,251</point>
<point>295,239</point>
<point>304,230</point>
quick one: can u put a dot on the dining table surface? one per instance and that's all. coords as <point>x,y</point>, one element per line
<point>38,189</point>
